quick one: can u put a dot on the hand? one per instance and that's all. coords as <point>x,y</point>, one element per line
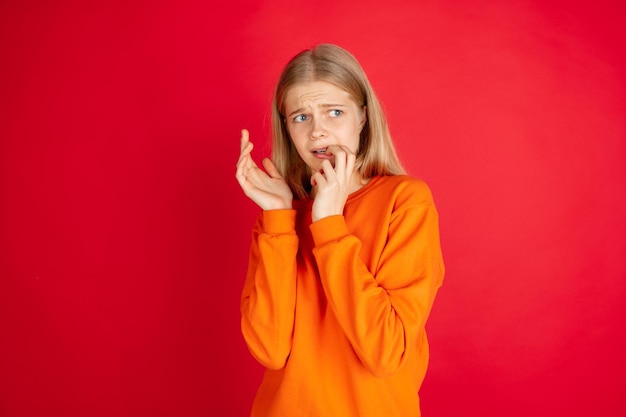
<point>267,189</point>
<point>332,185</point>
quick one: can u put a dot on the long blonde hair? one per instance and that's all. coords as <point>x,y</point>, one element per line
<point>333,64</point>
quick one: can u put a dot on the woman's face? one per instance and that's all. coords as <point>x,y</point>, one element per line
<point>319,114</point>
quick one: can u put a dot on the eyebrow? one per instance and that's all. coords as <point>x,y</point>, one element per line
<point>325,106</point>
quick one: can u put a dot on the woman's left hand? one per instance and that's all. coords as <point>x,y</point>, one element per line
<point>332,185</point>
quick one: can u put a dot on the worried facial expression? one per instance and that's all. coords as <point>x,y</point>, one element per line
<point>319,114</point>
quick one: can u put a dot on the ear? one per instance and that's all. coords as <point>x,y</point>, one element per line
<point>363,117</point>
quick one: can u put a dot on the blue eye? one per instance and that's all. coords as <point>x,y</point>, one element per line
<point>336,113</point>
<point>299,118</point>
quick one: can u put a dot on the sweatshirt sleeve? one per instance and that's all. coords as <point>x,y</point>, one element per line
<point>382,312</point>
<point>269,294</point>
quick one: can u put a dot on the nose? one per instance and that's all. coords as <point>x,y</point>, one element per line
<point>318,128</point>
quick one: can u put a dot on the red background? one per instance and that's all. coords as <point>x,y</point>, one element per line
<point>124,235</point>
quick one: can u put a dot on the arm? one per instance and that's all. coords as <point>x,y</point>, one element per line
<point>382,312</point>
<point>269,295</point>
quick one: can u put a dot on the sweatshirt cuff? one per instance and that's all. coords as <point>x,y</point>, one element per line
<point>329,229</point>
<point>278,222</point>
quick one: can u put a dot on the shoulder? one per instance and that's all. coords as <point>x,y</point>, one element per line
<point>404,189</point>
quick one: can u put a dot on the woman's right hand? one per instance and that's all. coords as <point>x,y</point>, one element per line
<point>266,188</point>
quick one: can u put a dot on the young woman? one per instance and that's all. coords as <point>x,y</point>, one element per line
<point>345,259</point>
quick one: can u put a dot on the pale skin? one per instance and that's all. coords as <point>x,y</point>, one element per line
<point>324,124</point>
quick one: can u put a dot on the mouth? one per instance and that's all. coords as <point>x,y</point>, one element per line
<point>321,151</point>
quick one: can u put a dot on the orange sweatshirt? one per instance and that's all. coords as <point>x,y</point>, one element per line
<point>335,310</point>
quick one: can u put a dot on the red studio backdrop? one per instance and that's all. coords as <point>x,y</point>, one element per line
<point>124,234</point>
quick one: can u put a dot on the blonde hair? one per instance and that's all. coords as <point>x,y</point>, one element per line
<point>333,64</point>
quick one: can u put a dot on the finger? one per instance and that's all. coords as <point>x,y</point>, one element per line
<point>340,154</point>
<point>350,164</point>
<point>327,172</point>
<point>317,178</point>
<point>271,169</point>
<point>242,168</point>
<point>245,158</point>
<point>256,175</point>
<point>245,138</point>
<point>245,164</point>
<point>250,178</point>
<point>251,173</point>
<point>244,142</point>
<point>340,162</point>
<point>335,149</point>
<point>348,159</point>
<point>245,153</point>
